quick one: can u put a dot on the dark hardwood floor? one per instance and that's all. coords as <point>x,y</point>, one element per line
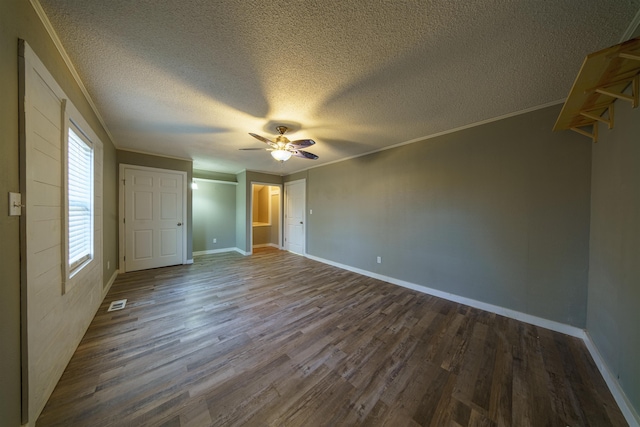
<point>276,339</point>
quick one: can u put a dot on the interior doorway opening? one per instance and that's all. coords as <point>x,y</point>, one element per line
<point>266,216</point>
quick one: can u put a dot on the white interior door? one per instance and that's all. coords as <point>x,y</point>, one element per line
<point>153,221</point>
<point>294,237</point>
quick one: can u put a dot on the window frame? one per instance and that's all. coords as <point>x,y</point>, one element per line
<point>87,255</point>
<point>91,267</point>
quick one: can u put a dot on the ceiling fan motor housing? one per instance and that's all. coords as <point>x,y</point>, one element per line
<point>282,140</point>
<point>282,149</point>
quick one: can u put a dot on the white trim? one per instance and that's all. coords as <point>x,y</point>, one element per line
<point>623,402</point>
<point>121,212</point>
<point>280,211</point>
<point>517,315</point>
<point>215,181</point>
<point>105,289</point>
<point>215,251</point>
<point>189,261</point>
<point>304,214</point>
<point>266,245</point>
<point>36,389</point>
<point>219,251</point>
<point>625,406</point>
<point>67,60</point>
<point>635,22</point>
<point>435,135</point>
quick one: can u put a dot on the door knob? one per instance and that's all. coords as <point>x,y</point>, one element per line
<point>179,224</point>
<point>300,222</point>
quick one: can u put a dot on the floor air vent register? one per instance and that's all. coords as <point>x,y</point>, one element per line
<point>117,305</point>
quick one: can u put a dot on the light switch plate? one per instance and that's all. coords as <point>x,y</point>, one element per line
<point>15,204</point>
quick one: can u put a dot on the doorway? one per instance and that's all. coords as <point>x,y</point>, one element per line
<point>266,218</point>
<point>152,217</point>
<point>295,217</point>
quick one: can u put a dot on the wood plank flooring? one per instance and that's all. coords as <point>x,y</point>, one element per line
<point>276,339</point>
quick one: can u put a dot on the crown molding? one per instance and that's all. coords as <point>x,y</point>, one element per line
<point>635,22</point>
<point>435,135</point>
<point>67,60</point>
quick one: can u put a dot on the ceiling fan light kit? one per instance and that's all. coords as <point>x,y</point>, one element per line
<point>281,155</point>
<point>282,149</point>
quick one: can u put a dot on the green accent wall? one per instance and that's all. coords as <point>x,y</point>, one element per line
<point>217,176</point>
<point>498,213</point>
<point>214,216</point>
<point>613,316</point>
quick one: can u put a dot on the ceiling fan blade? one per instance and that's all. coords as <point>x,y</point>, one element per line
<point>261,138</point>
<point>252,149</point>
<point>302,143</point>
<point>304,154</point>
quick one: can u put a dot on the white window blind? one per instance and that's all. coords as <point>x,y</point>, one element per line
<point>80,199</point>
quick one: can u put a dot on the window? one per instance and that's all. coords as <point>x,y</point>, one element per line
<point>80,199</point>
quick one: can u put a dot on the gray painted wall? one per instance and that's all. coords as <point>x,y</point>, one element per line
<point>296,176</point>
<point>498,213</point>
<point>608,323</point>
<point>148,160</point>
<point>110,212</point>
<point>12,19</point>
<point>613,314</point>
<point>214,216</point>
<point>19,20</point>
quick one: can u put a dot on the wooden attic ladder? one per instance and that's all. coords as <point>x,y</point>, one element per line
<point>604,78</point>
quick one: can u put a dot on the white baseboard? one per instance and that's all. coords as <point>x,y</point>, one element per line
<point>621,399</point>
<point>214,251</point>
<point>219,251</point>
<point>189,261</point>
<point>112,279</point>
<point>266,245</point>
<point>625,406</point>
<point>524,317</point>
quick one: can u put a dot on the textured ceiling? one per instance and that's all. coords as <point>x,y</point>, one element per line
<point>191,78</point>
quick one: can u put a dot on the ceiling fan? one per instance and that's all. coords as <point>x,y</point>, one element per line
<point>282,149</point>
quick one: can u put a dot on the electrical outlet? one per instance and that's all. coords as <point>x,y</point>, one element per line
<point>215,240</point>
<point>310,211</point>
<point>379,260</point>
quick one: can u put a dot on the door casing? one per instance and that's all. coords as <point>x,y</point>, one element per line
<point>121,210</point>
<point>288,200</point>
<point>279,219</point>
